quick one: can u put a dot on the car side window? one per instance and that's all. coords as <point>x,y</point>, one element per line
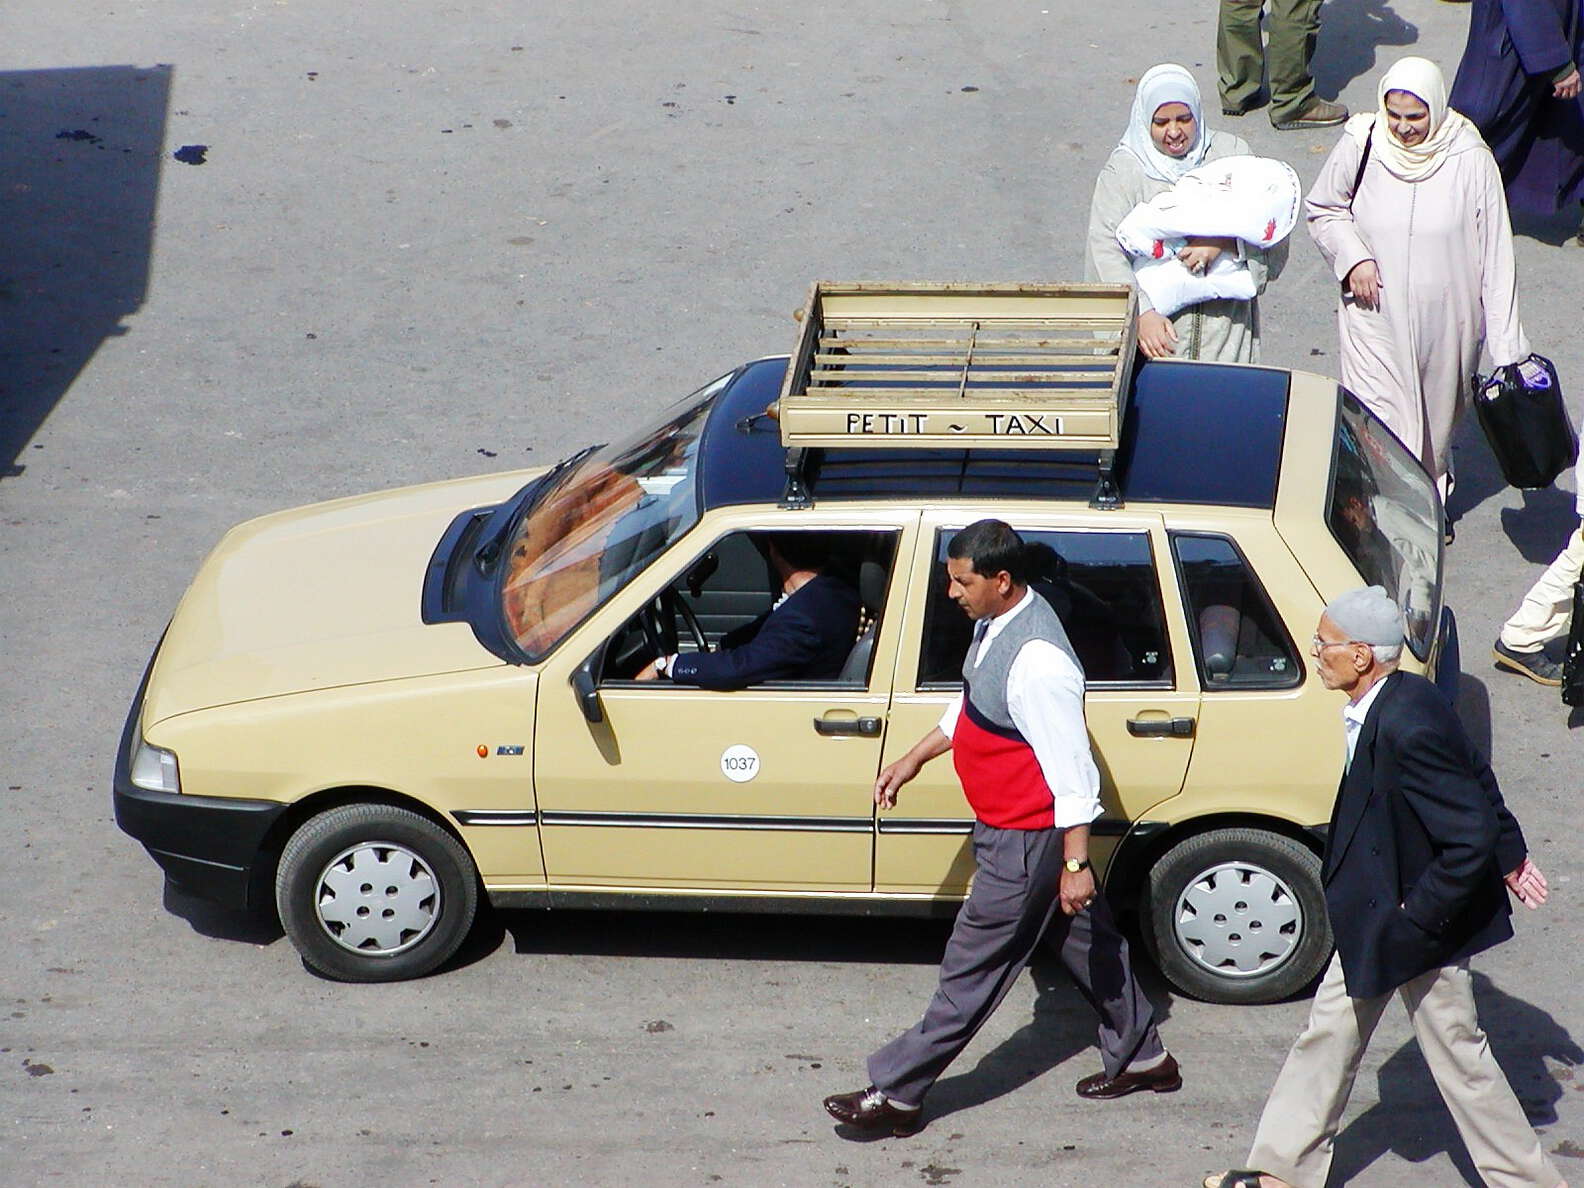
<point>1238,637</point>
<point>721,601</point>
<point>1103,587</point>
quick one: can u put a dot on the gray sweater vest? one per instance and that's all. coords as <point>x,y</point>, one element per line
<point>985,683</point>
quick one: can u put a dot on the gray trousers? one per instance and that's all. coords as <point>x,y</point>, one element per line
<point>1012,904</point>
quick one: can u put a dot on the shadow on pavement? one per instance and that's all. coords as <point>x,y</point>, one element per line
<point>1410,1121</point>
<point>1540,529</point>
<point>209,919</point>
<point>1475,469</point>
<point>741,937</point>
<point>1556,229</point>
<point>1349,37</point>
<point>1474,708</point>
<point>82,149</point>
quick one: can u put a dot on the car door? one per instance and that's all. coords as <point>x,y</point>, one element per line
<point>1141,702</point>
<point>764,789</point>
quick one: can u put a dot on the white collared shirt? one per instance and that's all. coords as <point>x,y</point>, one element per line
<point>1353,715</point>
<point>1045,691</point>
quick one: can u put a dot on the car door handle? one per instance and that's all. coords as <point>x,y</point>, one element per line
<point>866,727</point>
<point>1161,727</point>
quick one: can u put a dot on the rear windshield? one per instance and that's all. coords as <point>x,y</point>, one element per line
<point>1386,515</point>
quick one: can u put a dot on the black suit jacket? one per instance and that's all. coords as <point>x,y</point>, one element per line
<point>1419,841</point>
<point>807,637</point>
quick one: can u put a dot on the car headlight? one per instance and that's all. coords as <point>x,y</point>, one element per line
<point>154,769</point>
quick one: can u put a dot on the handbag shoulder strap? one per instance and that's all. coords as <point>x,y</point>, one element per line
<point>1358,178</point>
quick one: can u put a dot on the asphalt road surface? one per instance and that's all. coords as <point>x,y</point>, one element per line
<point>254,255</point>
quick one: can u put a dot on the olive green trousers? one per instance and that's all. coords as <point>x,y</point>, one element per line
<point>1242,59</point>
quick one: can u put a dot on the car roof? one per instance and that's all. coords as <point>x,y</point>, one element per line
<point>1204,433</point>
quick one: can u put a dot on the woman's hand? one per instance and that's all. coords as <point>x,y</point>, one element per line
<point>1364,283</point>
<point>1202,252</point>
<point>1568,88</point>
<point>1156,338</point>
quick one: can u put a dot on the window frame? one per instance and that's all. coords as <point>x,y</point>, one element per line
<point>1206,684</point>
<point>866,684</point>
<point>943,533</point>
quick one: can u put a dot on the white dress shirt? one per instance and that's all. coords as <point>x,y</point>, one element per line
<point>1045,691</point>
<point>1353,715</point>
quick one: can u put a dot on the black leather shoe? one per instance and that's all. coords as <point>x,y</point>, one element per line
<point>1165,1077</point>
<point>868,1109</point>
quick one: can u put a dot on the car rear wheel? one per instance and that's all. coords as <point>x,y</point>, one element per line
<point>374,893</point>
<point>1238,916</point>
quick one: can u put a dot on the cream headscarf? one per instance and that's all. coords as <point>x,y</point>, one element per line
<point>1422,78</point>
<point>1160,85</point>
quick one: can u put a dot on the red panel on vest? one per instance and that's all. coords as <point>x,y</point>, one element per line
<point>1001,778</point>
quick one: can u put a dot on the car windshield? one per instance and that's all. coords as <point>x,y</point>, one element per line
<point>596,526</point>
<point>1386,515</point>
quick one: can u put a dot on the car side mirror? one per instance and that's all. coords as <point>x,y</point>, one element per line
<point>587,688</point>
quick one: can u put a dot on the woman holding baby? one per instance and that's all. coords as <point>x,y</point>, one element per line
<point>1165,140</point>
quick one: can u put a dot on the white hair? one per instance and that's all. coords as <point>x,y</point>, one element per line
<point>1386,654</point>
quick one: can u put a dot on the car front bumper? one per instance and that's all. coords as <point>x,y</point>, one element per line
<point>209,846</point>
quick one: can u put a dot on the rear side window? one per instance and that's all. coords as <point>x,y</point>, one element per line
<point>1102,586</point>
<point>1239,640</point>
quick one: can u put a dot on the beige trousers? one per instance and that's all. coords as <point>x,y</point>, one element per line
<point>1547,609</point>
<point>1304,1110</point>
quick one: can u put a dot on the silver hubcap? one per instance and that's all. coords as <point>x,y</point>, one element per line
<point>1238,920</point>
<point>377,898</point>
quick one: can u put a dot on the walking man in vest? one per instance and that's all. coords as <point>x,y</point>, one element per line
<point>1021,749</point>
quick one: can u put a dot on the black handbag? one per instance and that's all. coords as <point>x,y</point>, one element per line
<point>1573,662</point>
<point>1527,425</point>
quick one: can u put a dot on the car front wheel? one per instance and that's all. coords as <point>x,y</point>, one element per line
<point>1238,916</point>
<point>374,893</point>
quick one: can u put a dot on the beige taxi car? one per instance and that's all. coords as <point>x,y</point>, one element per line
<point>370,713</point>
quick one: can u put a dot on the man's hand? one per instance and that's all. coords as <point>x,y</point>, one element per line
<point>1568,88</point>
<point>1365,284</point>
<point>647,673</point>
<point>1528,884</point>
<point>1077,890</point>
<point>904,769</point>
<point>893,777</point>
<point>1156,337</point>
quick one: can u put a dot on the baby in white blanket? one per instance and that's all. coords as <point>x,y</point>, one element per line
<point>1254,200</point>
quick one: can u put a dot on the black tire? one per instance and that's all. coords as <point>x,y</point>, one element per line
<point>1238,916</point>
<point>373,893</point>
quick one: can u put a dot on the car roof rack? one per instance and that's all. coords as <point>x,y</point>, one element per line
<point>960,366</point>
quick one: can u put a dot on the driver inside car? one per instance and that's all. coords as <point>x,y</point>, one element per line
<point>805,635</point>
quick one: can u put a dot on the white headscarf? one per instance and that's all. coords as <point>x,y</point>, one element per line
<point>1160,85</point>
<point>1423,79</point>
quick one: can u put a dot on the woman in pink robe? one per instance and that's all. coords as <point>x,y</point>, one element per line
<point>1423,250</point>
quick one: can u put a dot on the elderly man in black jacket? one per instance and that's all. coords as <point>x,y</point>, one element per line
<point>1419,850</point>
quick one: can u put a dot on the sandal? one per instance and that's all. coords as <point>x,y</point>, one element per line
<point>1238,1177</point>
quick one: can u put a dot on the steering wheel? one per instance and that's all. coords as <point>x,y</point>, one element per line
<point>658,618</point>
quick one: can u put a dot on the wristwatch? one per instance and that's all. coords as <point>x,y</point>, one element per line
<point>662,665</point>
<point>1077,864</point>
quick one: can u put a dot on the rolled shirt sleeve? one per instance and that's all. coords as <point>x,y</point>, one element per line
<point>1045,690</point>
<point>948,720</point>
